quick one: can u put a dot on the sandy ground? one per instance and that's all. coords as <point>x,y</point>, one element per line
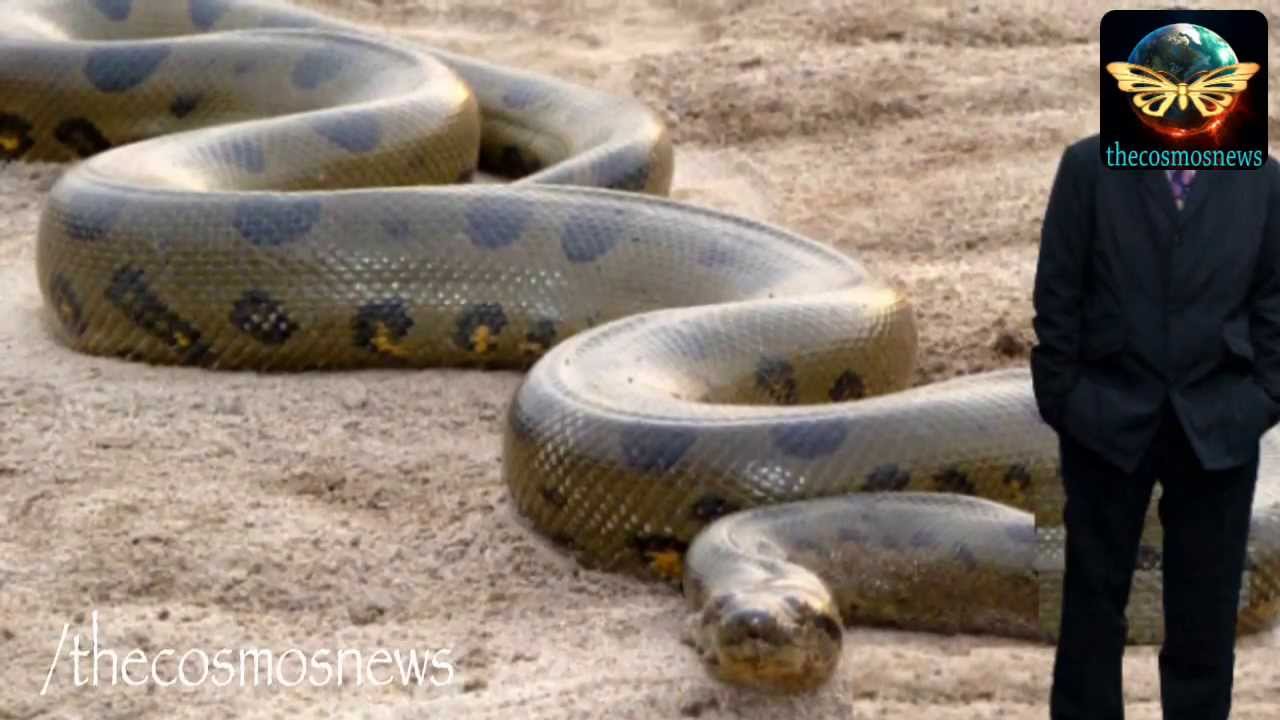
<point>365,510</point>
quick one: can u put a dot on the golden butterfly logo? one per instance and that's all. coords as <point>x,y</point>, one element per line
<point>1212,93</point>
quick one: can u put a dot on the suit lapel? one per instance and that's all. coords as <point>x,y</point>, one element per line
<point>1158,197</point>
<point>1202,252</point>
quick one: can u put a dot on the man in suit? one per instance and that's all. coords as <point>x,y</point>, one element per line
<point>1157,315</point>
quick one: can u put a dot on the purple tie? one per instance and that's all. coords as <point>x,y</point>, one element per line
<point>1180,183</point>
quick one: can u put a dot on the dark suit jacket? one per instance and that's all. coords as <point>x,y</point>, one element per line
<point>1137,302</point>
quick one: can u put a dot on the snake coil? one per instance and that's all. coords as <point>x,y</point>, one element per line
<point>711,399</point>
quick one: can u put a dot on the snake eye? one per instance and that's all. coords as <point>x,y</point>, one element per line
<point>806,613</point>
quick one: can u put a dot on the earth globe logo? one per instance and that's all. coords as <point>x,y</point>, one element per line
<point>1184,79</point>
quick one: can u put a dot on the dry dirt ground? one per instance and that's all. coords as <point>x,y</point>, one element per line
<point>365,510</point>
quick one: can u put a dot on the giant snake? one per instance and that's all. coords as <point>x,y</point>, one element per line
<point>710,399</point>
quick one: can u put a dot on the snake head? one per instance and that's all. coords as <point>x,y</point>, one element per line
<point>770,637</point>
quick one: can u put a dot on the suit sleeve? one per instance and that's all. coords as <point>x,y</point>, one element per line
<point>1264,305</point>
<point>1058,294</point>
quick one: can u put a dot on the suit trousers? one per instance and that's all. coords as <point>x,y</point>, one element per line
<point>1205,518</point>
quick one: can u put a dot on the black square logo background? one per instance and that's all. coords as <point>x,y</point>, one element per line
<point>1244,129</point>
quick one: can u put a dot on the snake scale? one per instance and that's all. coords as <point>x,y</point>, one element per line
<point>709,399</point>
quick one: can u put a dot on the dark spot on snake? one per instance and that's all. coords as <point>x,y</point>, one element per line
<point>810,439</point>
<point>541,336</point>
<point>114,69</point>
<point>244,152</point>
<point>521,95</point>
<point>206,13</point>
<point>715,257</point>
<point>478,326</point>
<point>114,9</point>
<point>1148,557</point>
<point>1021,533</point>
<point>264,319</point>
<point>268,220</point>
<point>353,131</point>
<point>553,496</point>
<point>623,169</point>
<point>377,326</point>
<point>712,507</point>
<point>847,387</point>
<point>965,557</point>
<point>543,332</point>
<point>1018,476</point>
<point>492,225</point>
<point>15,136</point>
<point>81,136</point>
<point>887,477</point>
<point>654,448</point>
<point>183,105</point>
<point>953,480</point>
<point>129,293</point>
<point>776,378</point>
<point>396,228</point>
<point>923,538</point>
<point>586,239</point>
<point>317,67</point>
<point>806,613</point>
<point>89,216</point>
<point>67,305</point>
<point>466,176</point>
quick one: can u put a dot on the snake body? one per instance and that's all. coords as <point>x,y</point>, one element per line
<point>710,399</point>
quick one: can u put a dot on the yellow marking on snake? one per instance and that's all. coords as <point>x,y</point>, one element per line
<point>668,564</point>
<point>481,339</point>
<point>319,180</point>
<point>384,341</point>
